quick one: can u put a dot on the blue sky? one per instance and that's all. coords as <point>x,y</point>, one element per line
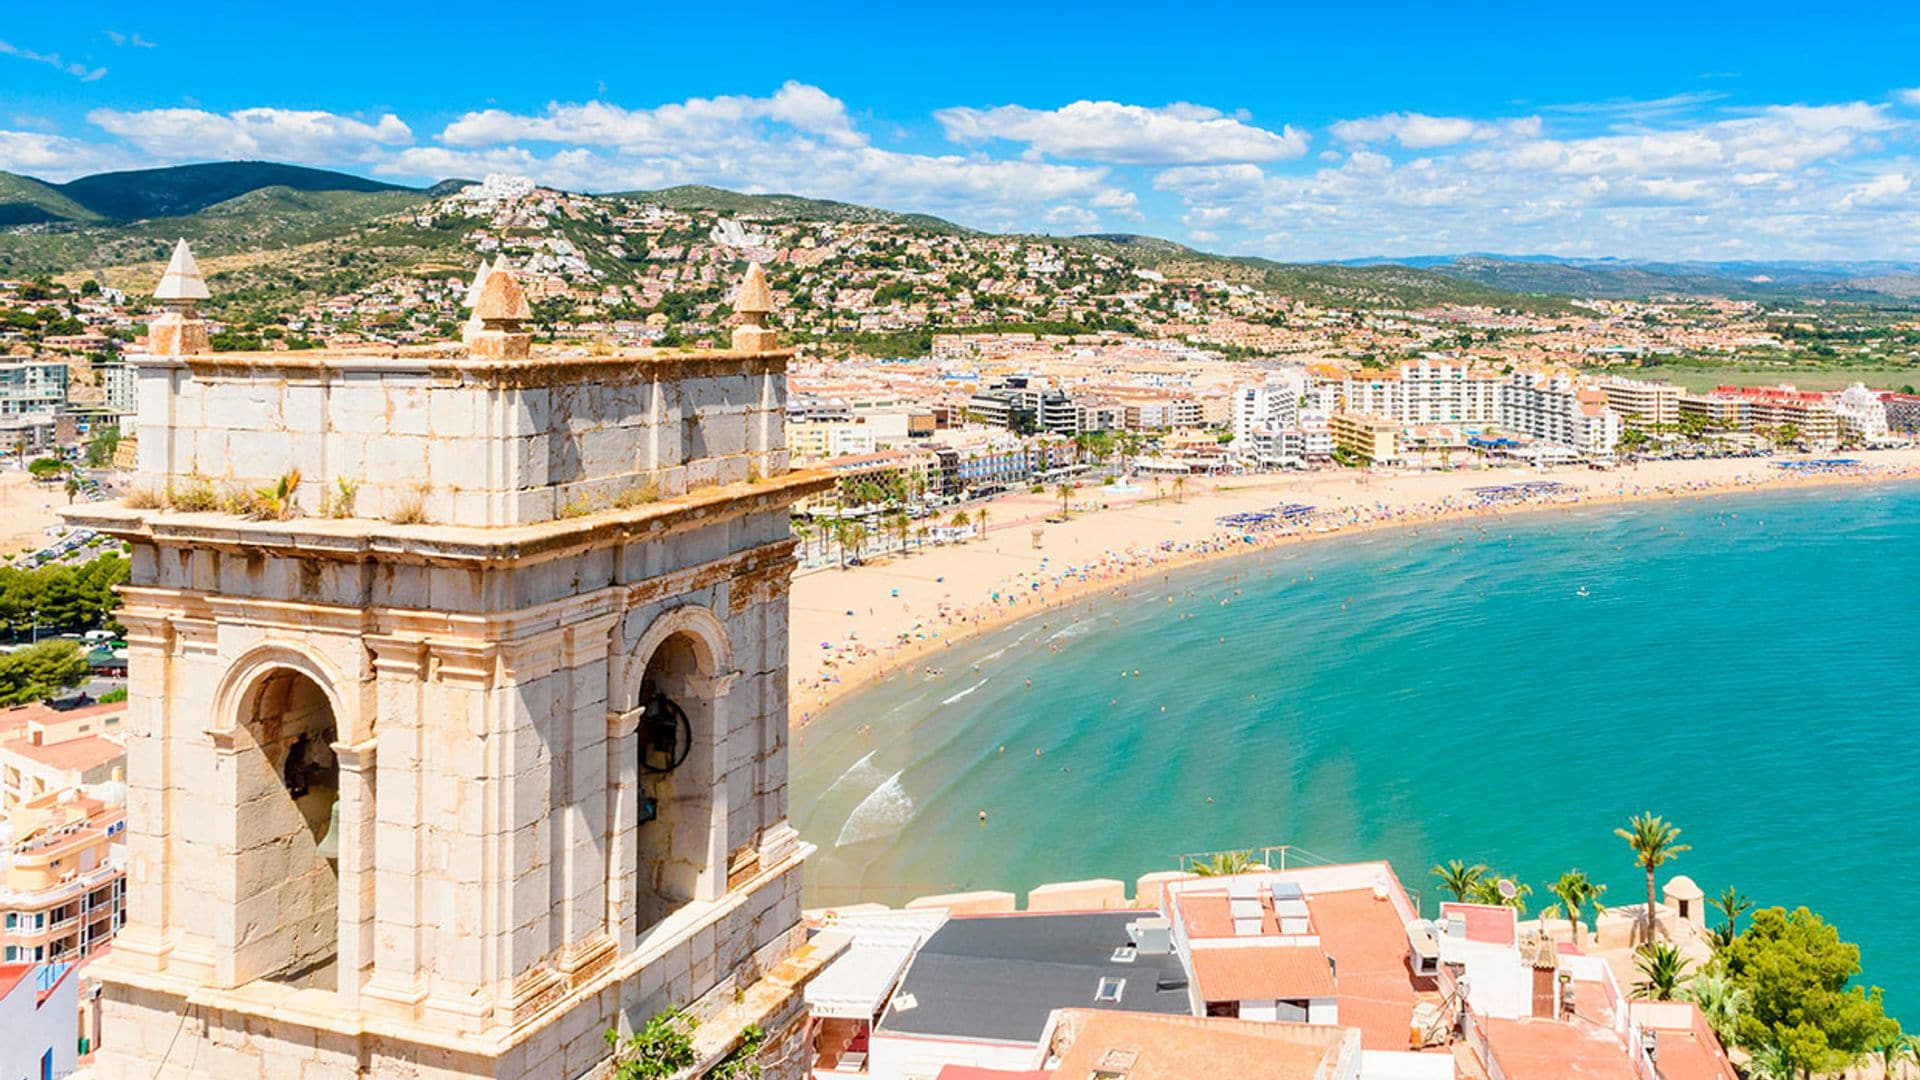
<point>1710,131</point>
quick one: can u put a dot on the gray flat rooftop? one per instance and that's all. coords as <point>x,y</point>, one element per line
<point>998,977</point>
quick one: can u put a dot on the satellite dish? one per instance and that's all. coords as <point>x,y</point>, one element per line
<point>1507,889</point>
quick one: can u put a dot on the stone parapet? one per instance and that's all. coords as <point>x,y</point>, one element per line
<point>446,436</point>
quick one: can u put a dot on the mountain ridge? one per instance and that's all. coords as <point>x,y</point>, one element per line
<point>123,218</point>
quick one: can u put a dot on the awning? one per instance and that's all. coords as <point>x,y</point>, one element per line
<point>856,985</point>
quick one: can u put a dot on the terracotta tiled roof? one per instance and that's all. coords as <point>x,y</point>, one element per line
<point>1263,971</point>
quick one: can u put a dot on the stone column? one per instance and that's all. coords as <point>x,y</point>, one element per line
<point>623,823</point>
<point>146,939</point>
<point>356,868</point>
<point>465,806</point>
<point>398,983</point>
<point>581,840</point>
<point>712,691</point>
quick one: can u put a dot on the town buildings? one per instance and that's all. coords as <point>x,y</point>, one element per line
<point>58,744</point>
<point>1331,970</point>
<point>63,882</point>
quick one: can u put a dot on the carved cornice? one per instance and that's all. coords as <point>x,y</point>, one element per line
<point>451,545</point>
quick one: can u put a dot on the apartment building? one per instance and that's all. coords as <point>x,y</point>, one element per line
<point>1643,403</point>
<point>1426,391</point>
<point>58,744</point>
<point>1768,409</point>
<point>1555,409</point>
<point>32,387</point>
<point>63,890</point>
<point>1370,438</point>
<point>814,440</point>
<point>1903,412</point>
<point>1862,414</point>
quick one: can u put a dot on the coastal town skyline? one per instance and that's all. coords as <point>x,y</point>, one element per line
<point>1545,136</point>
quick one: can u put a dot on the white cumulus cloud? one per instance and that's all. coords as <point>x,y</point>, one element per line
<point>796,106</point>
<point>1418,131</point>
<point>311,137</point>
<point>1110,132</point>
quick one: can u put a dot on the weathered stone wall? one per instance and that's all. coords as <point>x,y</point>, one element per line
<point>159,1035</point>
<point>458,440</point>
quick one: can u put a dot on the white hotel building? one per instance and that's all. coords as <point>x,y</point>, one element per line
<point>1552,407</point>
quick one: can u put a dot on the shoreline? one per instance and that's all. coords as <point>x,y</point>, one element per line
<point>876,646</point>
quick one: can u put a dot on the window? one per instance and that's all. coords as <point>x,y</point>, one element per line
<point>1108,992</point>
<point>1124,954</point>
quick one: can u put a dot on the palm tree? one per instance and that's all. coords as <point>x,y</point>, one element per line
<point>1460,879</point>
<point>1065,491</point>
<point>1179,487</point>
<point>1653,841</point>
<point>1223,863</point>
<point>980,519</point>
<point>958,520</point>
<point>1487,891</point>
<point>1720,1001</point>
<point>1770,1062</point>
<point>1895,1049</point>
<point>1573,890</point>
<point>73,488</point>
<point>1731,906</point>
<point>856,538</point>
<point>1661,967</point>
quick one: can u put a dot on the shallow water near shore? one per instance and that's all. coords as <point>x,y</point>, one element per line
<point>1745,665</point>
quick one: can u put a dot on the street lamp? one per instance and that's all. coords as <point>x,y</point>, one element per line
<point>36,625</point>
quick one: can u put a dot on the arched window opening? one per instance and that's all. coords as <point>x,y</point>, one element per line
<point>674,747</point>
<point>288,833</point>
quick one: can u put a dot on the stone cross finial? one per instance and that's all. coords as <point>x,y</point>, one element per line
<point>178,331</point>
<point>753,303</point>
<point>501,308</point>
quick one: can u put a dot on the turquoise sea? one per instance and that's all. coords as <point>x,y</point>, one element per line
<point>1747,666</point>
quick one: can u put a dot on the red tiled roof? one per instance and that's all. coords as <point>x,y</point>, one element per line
<point>1258,972</point>
<point>10,976</point>
<point>1577,1050</point>
<point>80,754</point>
<point>1491,924</point>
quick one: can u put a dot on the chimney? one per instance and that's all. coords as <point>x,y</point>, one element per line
<point>179,331</point>
<point>753,304</point>
<point>502,310</point>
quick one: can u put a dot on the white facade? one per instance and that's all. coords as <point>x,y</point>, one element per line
<point>1862,413</point>
<point>40,1015</point>
<point>1553,408</point>
<point>1424,392</point>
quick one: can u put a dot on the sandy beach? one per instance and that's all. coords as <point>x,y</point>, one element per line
<point>28,510</point>
<point>852,626</point>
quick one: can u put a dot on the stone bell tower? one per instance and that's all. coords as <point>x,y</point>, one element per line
<point>458,724</point>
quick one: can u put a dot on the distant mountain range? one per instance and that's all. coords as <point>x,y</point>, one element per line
<point>128,218</point>
<point>1633,278</point>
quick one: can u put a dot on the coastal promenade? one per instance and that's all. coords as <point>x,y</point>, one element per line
<point>853,626</point>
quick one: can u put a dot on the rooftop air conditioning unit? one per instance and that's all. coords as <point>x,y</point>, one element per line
<point>1152,936</point>
<point>1423,949</point>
